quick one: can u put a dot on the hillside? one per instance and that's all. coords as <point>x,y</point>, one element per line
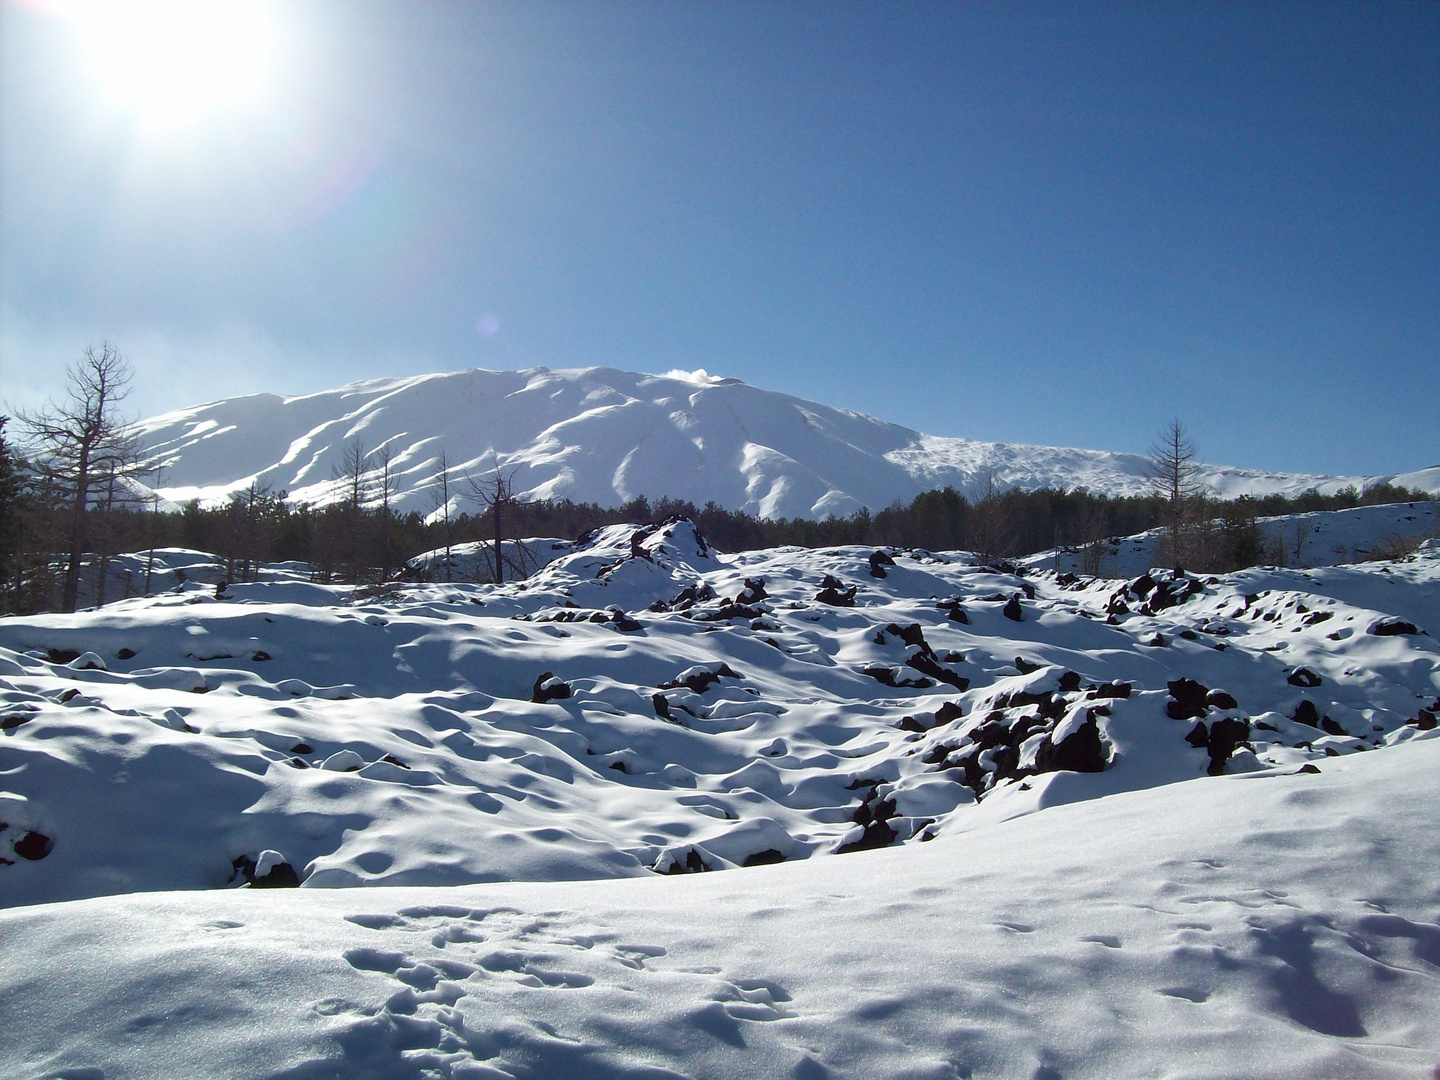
<point>605,436</point>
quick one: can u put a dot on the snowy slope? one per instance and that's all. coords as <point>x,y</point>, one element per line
<point>1026,826</point>
<point>715,710</point>
<point>1320,538</point>
<point>606,436</point>
<point>1266,926</point>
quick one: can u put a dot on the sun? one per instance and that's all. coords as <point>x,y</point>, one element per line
<point>173,61</point>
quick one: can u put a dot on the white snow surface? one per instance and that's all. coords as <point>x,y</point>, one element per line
<point>526,909</point>
<point>606,436</point>
<point>1316,539</point>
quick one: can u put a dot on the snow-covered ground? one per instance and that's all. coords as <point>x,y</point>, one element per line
<point>606,436</point>
<point>1025,826</point>
<point>1320,538</point>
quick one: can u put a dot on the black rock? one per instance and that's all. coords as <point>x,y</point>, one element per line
<point>1307,768</point>
<point>1306,713</point>
<point>1069,682</point>
<point>14,720</point>
<point>1156,642</point>
<point>1331,727</point>
<point>281,876</point>
<point>1392,626</point>
<point>1025,667</point>
<point>692,595</point>
<point>753,592</point>
<point>1187,699</point>
<point>763,858</point>
<point>954,612</point>
<point>259,656</point>
<point>875,816</point>
<point>700,681</point>
<point>1303,676</point>
<point>125,654</point>
<point>1080,751</point>
<point>662,707</point>
<point>1111,690</point>
<point>1226,735</point>
<point>1013,611</point>
<point>1219,699</point>
<point>878,561</point>
<point>833,592</point>
<point>302,748</point>
<point>34,846</point>
<point>948,712</point>
<point>927,665</point>
<point>1425,721</point>
<point>1199,736</point>
<point>549,688</point>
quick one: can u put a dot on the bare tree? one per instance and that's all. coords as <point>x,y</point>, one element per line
<point>82,445</point>
<point>440,504</point>
<point>387,489</point>
<point>1173,477</point>
<point>496,493</point>
<point>989,529</point>
<point>353,474</point>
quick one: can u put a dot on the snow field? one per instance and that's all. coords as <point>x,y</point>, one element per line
<point>1263,925</point>
<point>1058,889</point>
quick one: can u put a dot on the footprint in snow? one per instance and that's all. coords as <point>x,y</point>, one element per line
<point>441,956</point>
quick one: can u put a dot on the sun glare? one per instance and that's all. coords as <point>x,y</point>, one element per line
<point>176,60</point>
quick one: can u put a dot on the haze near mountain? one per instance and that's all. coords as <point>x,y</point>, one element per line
<point>606,436</point>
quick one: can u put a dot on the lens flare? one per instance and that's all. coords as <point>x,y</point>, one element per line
<point>176,60</point>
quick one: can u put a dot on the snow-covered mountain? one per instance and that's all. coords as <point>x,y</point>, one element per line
<point>1035,826</point>
<point>606,436</point>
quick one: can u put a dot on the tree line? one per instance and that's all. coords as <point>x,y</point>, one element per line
<point>69,504</point>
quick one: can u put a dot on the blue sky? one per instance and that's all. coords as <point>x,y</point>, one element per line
<point>1051,223</point>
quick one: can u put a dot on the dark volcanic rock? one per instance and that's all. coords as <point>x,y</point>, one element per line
<point>834,592</point>
<point>1111,690</point>
<point>1187,699</point>
<point>1080,751</point>
<point>1303,676</point>
<point>1306,713</point>
<point>953,611</point>
<point>1392,627</point>
<point>34,846</point>
<point>549,688</point>
<point>753,592</point>
<point>1013,611</point>
<point>1226,736</point>
<point>763,858</point>
<point>1219,699</point>
<point>874,815</point>
<point>700,680</point>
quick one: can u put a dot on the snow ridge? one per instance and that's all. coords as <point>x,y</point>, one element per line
<point>606,436</point>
